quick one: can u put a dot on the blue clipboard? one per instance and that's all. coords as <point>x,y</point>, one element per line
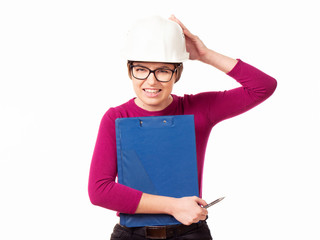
<point>157,155</point>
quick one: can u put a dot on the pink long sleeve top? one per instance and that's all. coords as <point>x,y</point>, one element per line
<point>208,109</point>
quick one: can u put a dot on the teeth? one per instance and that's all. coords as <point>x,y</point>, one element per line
<point>152,90</point>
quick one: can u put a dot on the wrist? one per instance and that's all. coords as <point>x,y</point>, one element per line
<point>206,57</point>
<point>170,205</point>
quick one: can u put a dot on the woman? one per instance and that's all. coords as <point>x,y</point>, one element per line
<point>154,66</point>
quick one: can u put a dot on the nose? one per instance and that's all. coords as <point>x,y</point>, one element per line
<point>152,79</point>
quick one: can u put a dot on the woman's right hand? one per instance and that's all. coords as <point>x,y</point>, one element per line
<point>188,210</point>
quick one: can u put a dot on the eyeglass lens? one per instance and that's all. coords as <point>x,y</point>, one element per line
<point>161,74</point>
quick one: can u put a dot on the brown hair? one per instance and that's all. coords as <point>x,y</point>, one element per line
<point>179,67</point>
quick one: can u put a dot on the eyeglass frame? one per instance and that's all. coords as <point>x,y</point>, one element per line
<point>154,72</point>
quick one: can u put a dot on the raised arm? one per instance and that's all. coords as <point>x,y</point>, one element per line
<point>256,85</point>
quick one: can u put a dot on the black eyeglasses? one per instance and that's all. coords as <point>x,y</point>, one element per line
<point>161,74</point>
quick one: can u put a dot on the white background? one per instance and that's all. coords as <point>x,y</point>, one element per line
<point>61,69</point>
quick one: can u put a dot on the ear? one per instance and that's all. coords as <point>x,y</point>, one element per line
<point>176,77</point>
<point>129,71</point>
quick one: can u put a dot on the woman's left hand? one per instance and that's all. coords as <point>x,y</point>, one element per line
<point>194,45</point>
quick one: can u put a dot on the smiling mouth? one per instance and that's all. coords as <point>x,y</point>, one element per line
<point>152,90</point>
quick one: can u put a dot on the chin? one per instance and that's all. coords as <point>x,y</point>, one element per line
<point>153,102</point>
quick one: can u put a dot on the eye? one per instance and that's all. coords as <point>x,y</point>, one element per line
<point>140,69</point>
<point>164,71</point>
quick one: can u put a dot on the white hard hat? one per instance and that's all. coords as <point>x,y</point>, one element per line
<point>156,39</point>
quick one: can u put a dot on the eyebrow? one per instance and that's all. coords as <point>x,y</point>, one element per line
<point>141,65</point>
<point>164,67</point>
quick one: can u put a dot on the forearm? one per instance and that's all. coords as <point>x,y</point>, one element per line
<point>114,196</point>
<point>219,61</point>
<point>186,210</point>
<point>256,87</point>
<point>155,204</point>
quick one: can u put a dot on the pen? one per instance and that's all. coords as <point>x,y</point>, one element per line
<point>212,203</point>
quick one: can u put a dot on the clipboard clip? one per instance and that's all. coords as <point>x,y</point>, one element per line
<point>166,121</point>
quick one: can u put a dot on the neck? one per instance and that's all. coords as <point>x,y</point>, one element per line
<point>153,108</point>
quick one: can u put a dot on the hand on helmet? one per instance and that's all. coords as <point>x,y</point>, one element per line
<point>194,45</point>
